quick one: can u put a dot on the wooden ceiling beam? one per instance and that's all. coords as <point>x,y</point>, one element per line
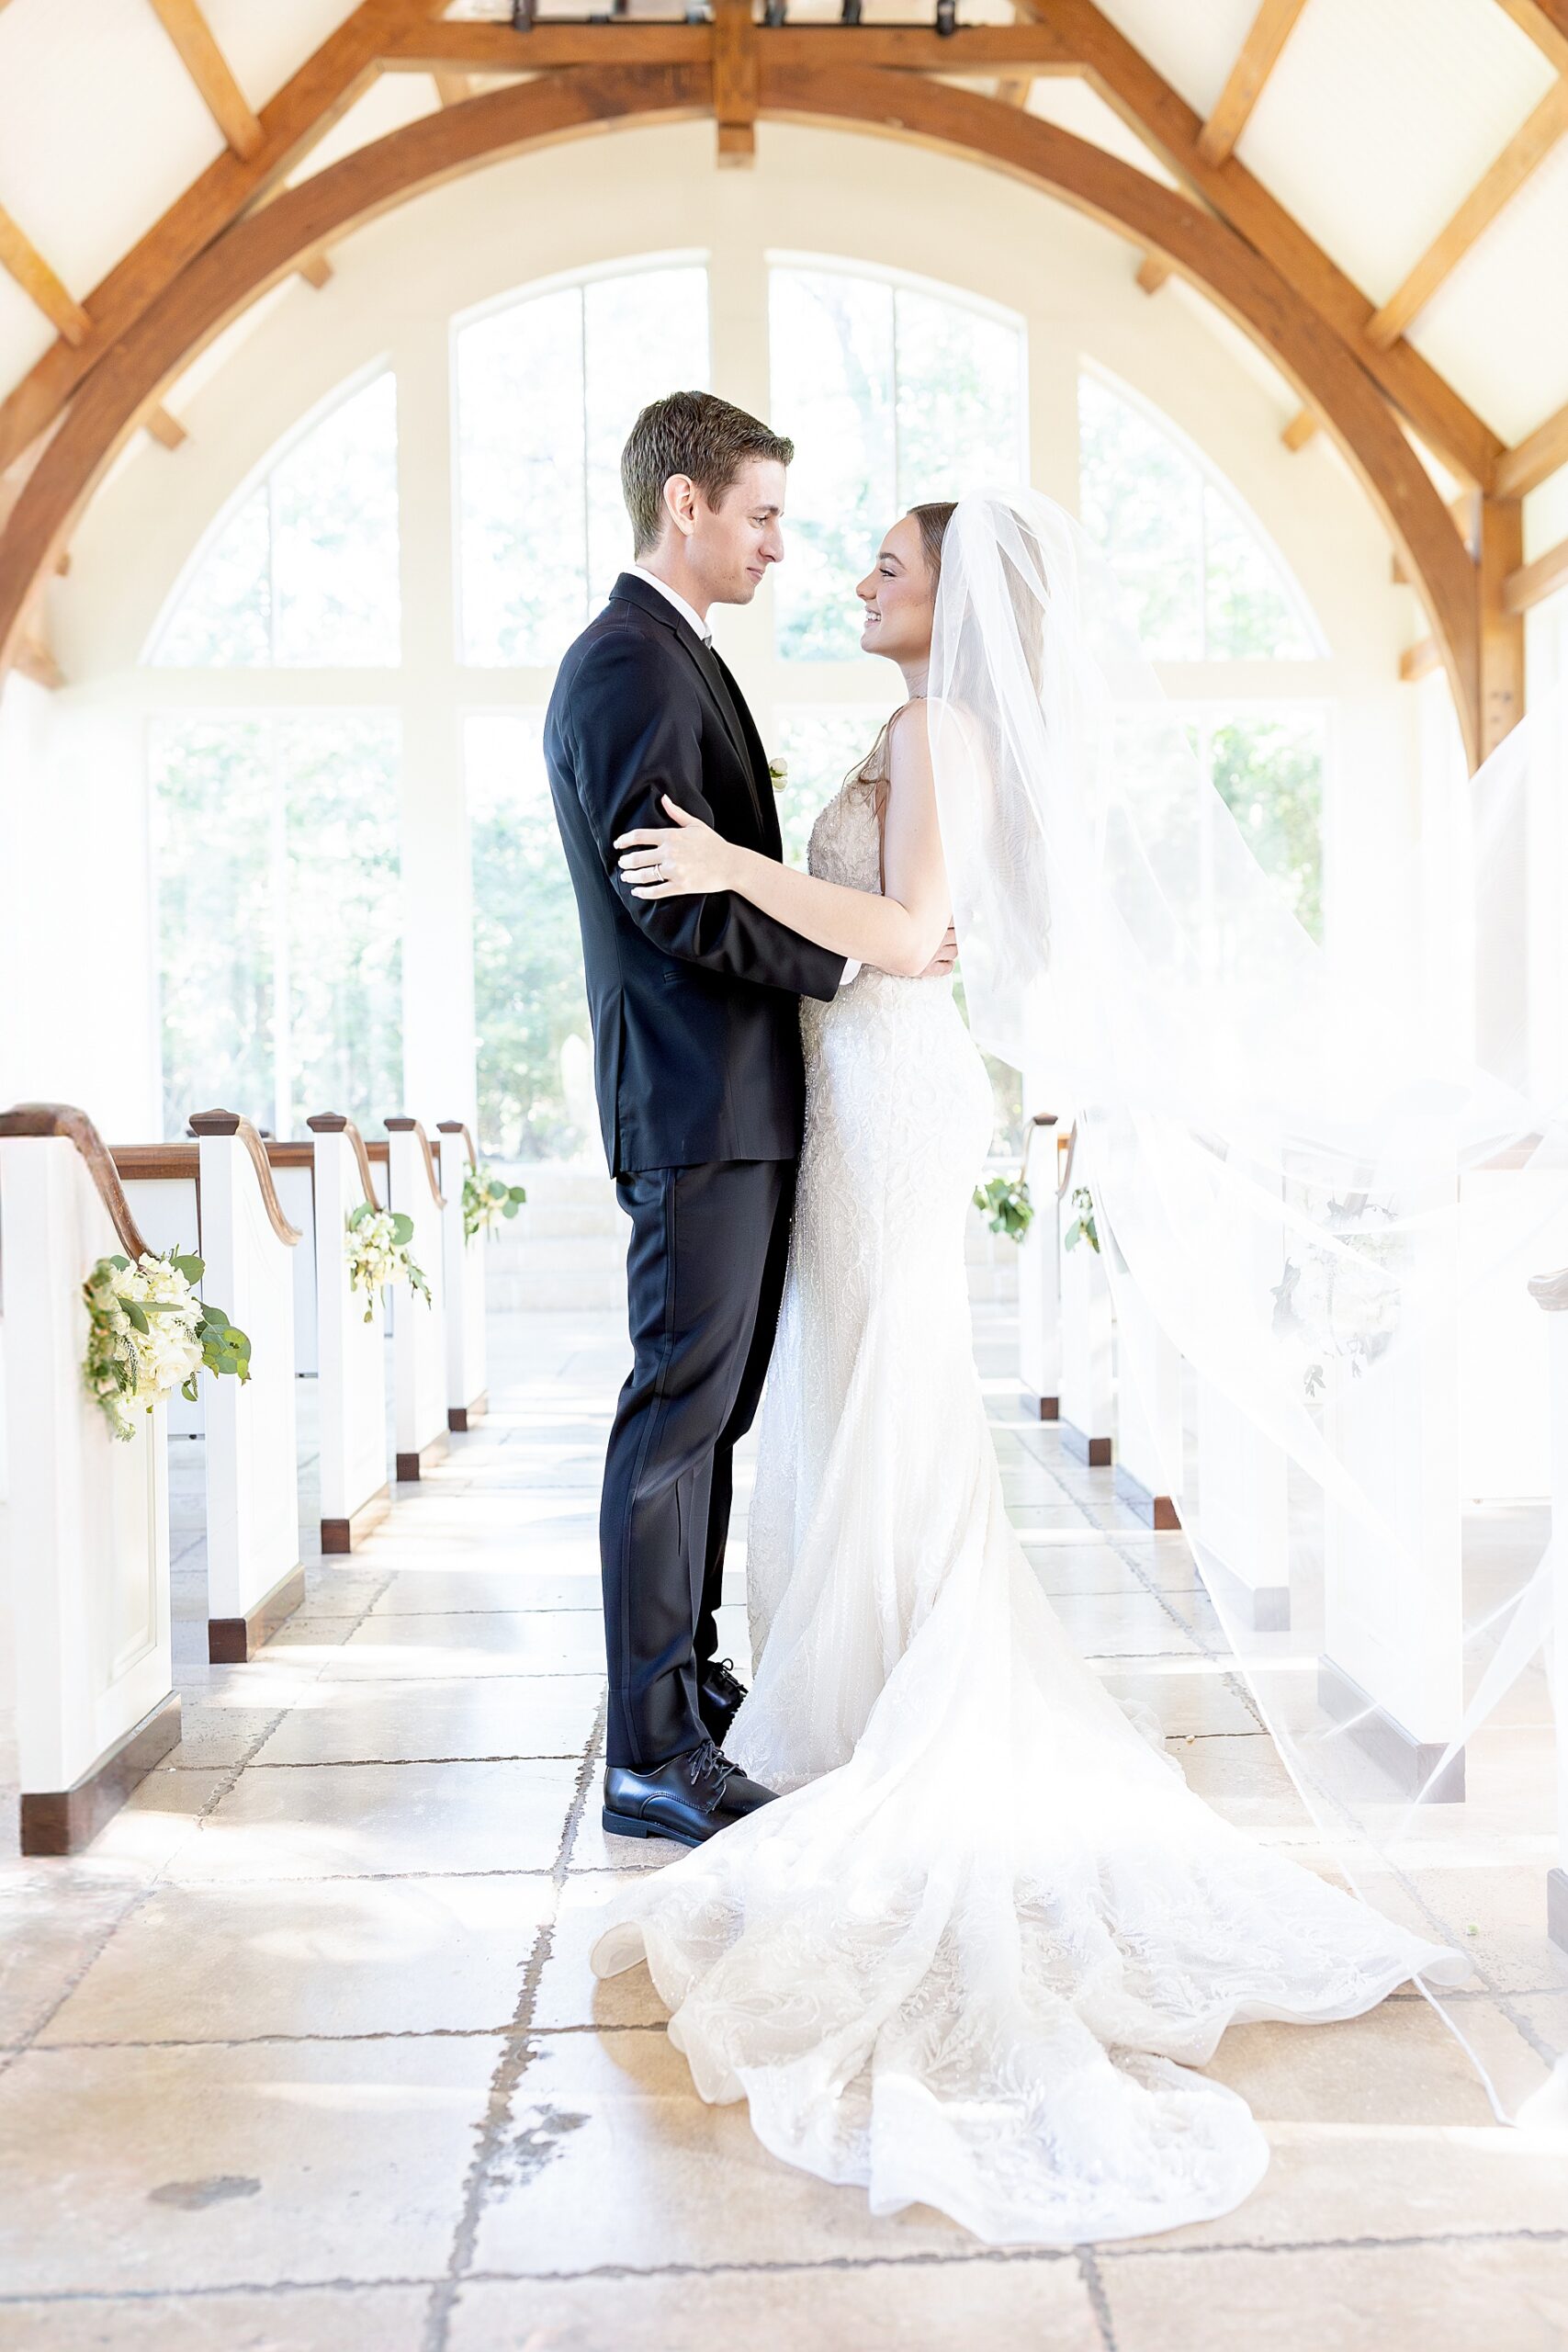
<point>1299,431</point>
<point>1538,456</point>
<point>1149,106</point>
<point>1532,584</point>
<point>21,259</point>
<point>1271,29</point>
<point>452,87</point>
<point>210,70</point>
<point>1546,23</point>
<point>316,270</point>
<point>300,113</point>
<point>272,239</point>
<point>734,81</point>
<point>1255,294</point>
<point>1013,89</point>
<point>35,660</point>
<point>483,45</point>
<point>1528,147</point>
<point>1152,272</point>
<point>166,430</point>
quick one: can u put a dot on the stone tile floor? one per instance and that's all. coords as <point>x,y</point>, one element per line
<point>306,2053</point>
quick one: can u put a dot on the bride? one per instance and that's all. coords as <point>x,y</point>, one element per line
<point>974,1955</point>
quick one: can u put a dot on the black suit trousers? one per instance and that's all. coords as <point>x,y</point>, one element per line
<point>704,1275</point>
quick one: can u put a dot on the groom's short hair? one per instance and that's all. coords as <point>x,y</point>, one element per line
<point>693,434</point>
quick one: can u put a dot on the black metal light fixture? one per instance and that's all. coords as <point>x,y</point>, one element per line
<point>851,12</point>
<point>946,18</point>
<point>777,13</point>
<point>522,16</point>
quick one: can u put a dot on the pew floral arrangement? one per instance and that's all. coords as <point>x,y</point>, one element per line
<point>486,1198</point>
<point>148,1334</point>
<point>376,1243</point>
<point>1004,1202</point>
<point>1082,1229</point>
<point>1339,1298</point>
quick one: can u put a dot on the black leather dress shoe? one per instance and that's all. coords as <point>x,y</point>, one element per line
<point>691,1799</point>
<point>718,1697</point>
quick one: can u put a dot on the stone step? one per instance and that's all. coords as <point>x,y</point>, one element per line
<point>552,1221</point>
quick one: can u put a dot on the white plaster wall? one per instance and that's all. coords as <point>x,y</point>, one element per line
<point>70,782</point>
<point>77,1007</point>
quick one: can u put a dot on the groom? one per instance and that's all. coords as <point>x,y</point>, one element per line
<point>697,1067</point>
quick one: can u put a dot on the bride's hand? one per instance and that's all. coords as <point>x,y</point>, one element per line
<point>682,862</point>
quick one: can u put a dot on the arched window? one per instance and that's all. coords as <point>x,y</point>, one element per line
<point>1202,582</point>
<point>362,803</point>
<point>303,572</point>
<point>893,393</point>
<point>547,389</point>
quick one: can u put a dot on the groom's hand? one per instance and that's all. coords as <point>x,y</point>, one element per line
<point>946,956</point>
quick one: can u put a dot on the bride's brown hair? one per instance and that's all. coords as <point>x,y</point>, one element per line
<point>933,519</point>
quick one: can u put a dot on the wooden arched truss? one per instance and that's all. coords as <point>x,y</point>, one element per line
<point>232,235</point>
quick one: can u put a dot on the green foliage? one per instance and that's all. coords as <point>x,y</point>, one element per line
<point>486,1198</point>
<point>1082,1227</point>
<point>228,791</point>
<point>1201,583</point>
<point>378,1253</point>
<point>1269,773</point>
<point>529,1002</point>
<point>148,1333</point>
<point>893,395</point>
<point>1005,1204</point>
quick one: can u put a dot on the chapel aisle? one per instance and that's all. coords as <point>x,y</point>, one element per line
<point>305,2052</point>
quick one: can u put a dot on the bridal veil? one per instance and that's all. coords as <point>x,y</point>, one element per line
<point>1326,1195</point>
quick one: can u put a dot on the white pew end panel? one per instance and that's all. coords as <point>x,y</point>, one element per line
<point>1150,1439</point>
<point>95,1710</point>
<point>419,1329</point>
<point>255,1578</point>
<point>1088,1404</point>
<point>1551,1292</point>
<point>351,1355</point>
<point>1392,1669</point>
<point>463,1268</point>
<point>1039,1281</point>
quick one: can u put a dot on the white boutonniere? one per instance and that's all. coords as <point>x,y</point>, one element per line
<point>778,773</point>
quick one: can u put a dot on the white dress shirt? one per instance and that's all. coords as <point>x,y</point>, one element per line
<point>694,621</point>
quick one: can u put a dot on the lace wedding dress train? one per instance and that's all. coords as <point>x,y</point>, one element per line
<point>973,1957</point>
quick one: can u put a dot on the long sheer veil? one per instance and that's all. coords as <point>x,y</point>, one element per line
<point>1326,1202</point>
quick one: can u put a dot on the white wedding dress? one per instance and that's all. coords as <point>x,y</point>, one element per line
<point>972,1959</point>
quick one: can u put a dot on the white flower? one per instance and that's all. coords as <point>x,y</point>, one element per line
<point>126,1366</point>
<point>778,773</point>
<point>376,1247</point>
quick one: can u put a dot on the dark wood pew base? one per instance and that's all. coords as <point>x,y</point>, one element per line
<point>339,1535</point>
<point>1095,1451</point>
<point>412,1467</point>
<point>65,1820</point>
<point>463,1416</point>
<point>231,1641</point>
<point>1156,1510</point>
<point>1408,1762</point>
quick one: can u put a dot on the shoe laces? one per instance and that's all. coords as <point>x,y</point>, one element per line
<point>708,1762</point>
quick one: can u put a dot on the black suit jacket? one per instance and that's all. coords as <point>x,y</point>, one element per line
<point>696,1039</point>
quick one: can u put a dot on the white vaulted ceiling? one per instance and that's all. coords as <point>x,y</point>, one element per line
<point>1378,118</point>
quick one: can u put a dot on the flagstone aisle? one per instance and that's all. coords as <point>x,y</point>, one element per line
<point>306,2053</point>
